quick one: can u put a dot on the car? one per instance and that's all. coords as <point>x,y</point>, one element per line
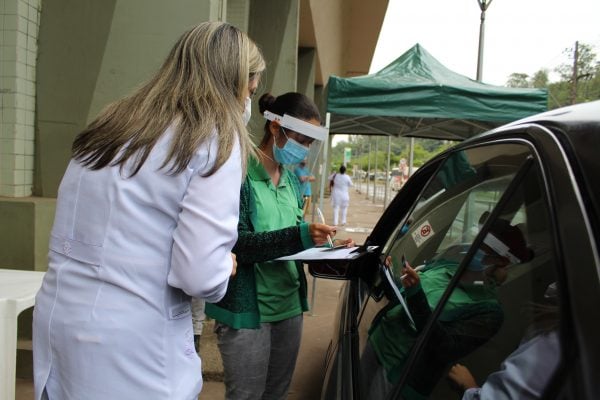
<point>503,229</point>
<point>360,174</point>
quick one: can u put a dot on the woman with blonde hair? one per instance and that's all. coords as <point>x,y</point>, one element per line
<point>146,217</point>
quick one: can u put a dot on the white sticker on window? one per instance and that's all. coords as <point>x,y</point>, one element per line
<point>422,233</point>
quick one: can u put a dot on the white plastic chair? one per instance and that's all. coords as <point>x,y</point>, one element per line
<point>17,293</point>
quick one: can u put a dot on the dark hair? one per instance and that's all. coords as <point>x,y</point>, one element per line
<point>513,238</point>
<point>342,169</point>
<point>291,103</point>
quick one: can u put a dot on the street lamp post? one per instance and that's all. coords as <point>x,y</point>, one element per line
<point>483,5</point>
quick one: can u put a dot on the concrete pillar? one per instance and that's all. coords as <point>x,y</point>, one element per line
<point>19,22</point>
<point>238,12</point>
<point>306,71</point>
<point>274,26</point>
<point>92,53</point>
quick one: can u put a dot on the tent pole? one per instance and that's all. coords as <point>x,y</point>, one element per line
<point>411,156</point>
<point>324,173</point>
<point>483,5</point>
<point>324,170</point>
<point>375,176</point>
<point>369,169</point>
<point>387,173</point>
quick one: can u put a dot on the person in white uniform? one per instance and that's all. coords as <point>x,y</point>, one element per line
<point>146,217</point>
<point>340,198</point>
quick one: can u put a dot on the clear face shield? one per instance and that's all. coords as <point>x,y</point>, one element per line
<point>294,152</point>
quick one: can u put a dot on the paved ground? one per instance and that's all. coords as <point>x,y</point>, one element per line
<point>318,324</point>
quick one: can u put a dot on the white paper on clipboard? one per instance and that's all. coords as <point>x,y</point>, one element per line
<point>323,253</point>
<point>326,253</point>
<point>390,280</point>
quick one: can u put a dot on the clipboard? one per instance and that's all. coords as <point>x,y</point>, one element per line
<point>322,253</point>
<point>328,253</point>
<point>338,247</point>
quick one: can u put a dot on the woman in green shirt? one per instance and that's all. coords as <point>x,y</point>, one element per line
<point>259,321</point>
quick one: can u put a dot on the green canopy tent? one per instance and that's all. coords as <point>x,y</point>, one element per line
<point>418,96</point>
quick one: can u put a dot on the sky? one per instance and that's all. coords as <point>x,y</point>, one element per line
<point>520,35</point>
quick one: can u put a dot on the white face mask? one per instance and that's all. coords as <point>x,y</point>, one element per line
<point>247,111</point>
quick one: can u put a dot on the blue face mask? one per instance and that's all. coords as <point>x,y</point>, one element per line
<point>477,261</point>
<point>291,153</point>
<point>404,229</point>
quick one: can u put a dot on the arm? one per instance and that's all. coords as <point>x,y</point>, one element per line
<point>299,174</point>
<point>476,324</point>
<point>525,373</point>
<point>462,377</point>
<point>253,247</point>
<point>457,338</point>
<point>415,296</point>
<point>201,261</point>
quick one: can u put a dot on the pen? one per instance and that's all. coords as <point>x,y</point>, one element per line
<point>323,222</point>
<point>417,269</point>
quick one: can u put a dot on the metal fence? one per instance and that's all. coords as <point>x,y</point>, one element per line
<point>378,191</point>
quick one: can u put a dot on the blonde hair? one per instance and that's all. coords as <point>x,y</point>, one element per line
<point>199,88</point>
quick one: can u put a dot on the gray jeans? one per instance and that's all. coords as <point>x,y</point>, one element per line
<point>259,363</point>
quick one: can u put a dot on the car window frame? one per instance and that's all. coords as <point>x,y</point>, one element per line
<point>395,219</point>
<point>513,186</point>
<point>545,155</point>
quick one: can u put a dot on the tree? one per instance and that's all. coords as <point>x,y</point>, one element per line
<point>540,79</point>
<point>586,63</point>
<point>580,73</point>
<point>518,80</point>
<point>566,90</point>
<point>558,94</point>
<point>423,151</point>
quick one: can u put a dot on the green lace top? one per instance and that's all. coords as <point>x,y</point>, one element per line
<point>239,308</point>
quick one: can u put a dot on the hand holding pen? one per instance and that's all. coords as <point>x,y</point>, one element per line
<point>322,218</point>
<point>320,234</point>
<point>323,233</point>
<point>410,277</point>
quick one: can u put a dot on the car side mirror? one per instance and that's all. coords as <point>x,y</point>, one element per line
<point>330,269</point>
<point>363,267</point>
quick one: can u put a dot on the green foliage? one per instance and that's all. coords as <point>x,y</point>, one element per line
<point>518,80</point>
<point>540,79</point>
<point>377,156</point>
<point>587,65</point>
<point>564,91</point>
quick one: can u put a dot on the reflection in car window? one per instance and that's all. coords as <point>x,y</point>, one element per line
<point>486,204</point>
<point>448,215</point>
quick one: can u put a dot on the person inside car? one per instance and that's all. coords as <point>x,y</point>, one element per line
<point>526,371</point>
<point>471,315</point>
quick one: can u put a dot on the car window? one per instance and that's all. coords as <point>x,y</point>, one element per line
<point>479,237</point>
<point>448,215</point>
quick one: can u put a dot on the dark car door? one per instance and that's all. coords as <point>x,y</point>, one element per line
<point>487,201</point>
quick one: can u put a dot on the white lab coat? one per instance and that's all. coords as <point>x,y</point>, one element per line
<point>525,373</point>
<point>112,319</point>
<point>339,193</point>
